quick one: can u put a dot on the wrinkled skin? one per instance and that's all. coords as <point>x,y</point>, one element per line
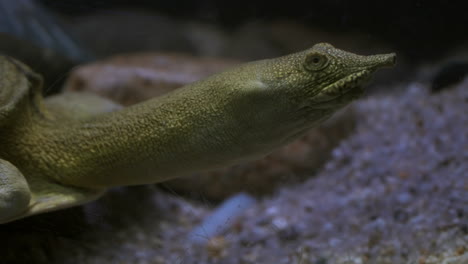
<point>68,149</point>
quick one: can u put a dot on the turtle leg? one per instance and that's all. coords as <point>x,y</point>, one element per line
<point>14,192</point>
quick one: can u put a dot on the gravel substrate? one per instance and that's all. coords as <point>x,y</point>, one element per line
<point>395,191</point>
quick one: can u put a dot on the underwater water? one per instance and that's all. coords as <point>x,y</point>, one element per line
<point>384,180</point>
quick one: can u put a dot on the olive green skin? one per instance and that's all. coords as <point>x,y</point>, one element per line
<point>68,149</point>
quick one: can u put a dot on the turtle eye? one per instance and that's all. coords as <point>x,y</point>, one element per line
<point>315,61</point>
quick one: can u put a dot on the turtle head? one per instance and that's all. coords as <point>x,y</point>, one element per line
<point>320,80</point>
<point>337,76</point>
<point>293,93</point>
<point>324,77</point>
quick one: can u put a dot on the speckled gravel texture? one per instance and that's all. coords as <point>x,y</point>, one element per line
<point>395,191</point>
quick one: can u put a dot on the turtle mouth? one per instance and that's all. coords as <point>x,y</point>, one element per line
<point>343,90</point>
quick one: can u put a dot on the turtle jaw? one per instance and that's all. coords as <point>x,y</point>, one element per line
<point>350,87</point>
<point>341,91</point>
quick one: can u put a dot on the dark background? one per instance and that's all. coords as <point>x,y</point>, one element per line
<point>419,29</point>
<point>422,33</point>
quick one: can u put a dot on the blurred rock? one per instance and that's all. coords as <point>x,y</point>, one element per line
<point>134,78</point>
<point>129,79</point>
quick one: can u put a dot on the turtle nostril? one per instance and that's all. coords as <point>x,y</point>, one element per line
<point>384,60</point>
<point>375,62</point>
<point>393,59</point>
<point>390,59</point>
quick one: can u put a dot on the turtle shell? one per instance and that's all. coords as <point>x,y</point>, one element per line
<point>19,87</point>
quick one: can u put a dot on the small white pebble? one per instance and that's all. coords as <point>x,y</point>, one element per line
<point>280,223</point>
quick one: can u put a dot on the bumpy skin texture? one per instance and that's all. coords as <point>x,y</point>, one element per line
<point>69,151</point>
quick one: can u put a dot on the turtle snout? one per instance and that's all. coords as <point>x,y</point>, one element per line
<point>389,60</point>
<point>375,62</point>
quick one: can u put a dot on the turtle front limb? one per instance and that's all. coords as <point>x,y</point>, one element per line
<point>14,192</point>
<point>20,198</point>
